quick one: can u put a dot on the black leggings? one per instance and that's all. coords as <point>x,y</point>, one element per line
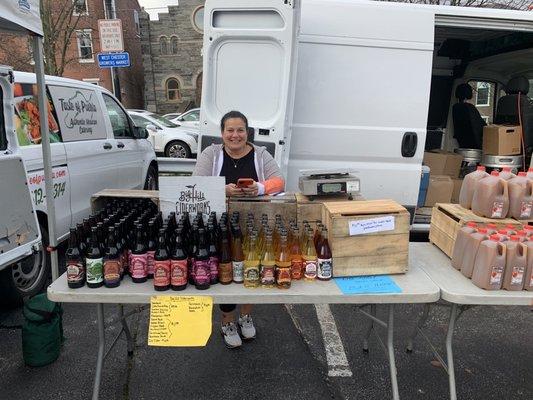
<point>227,308</point>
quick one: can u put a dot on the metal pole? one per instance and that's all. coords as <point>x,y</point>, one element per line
<point>47,154</point>
<point>449,352</point>
<point>101,349</point>
<point>392,360</point>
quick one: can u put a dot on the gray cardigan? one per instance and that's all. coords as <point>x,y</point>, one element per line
<point>209,162</point>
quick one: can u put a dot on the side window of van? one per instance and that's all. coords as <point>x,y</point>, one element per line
<point>119,119</point>
<point>484,99</point>
<point>3,137</point>
<point>27,116</point>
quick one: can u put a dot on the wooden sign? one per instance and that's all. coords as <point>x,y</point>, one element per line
<point>192,194</point>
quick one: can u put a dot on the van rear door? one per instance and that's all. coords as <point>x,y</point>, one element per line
<point>249,64</point>
<point>19,228</point>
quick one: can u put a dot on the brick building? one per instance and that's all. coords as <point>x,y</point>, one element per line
<point>172,57</point>
<point>85,45</point>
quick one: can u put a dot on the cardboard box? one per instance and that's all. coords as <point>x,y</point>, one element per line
<point>502,140</point>
<point>443,162</point>
<point>440,190</point>
<point>457,183</point>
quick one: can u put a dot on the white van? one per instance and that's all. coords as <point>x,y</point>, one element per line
<point>94,146</point>
<point>354,84</point>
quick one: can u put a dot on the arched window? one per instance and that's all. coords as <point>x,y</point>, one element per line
<point>173,89</point>
<point>163,44</point>
<point>174,44</point>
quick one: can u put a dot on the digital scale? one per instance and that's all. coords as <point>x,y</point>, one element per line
<point>330,182</point>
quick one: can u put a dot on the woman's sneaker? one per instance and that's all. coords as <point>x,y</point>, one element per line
<point>247,327</point>
<point>230,335</point>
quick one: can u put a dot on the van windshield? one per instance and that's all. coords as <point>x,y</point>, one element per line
<point>163,121</point>
<point>3,138</point>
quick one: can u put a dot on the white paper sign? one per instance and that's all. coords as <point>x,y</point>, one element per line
<point>111,38</point>
<point>372,225</point>
<point>192,194</point>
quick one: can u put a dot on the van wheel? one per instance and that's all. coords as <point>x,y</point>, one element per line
<point>177,149</point>
<point>151,179</point>
<point>27,277</point>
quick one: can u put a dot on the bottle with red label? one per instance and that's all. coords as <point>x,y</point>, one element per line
<point>178,264</point>
<point>138,257</point>
<point>162,268</point>
<point>150,251</point>
<point>75,262</point>
<point>213,256</point>
<point>111,261</point>
<point>201,269</point>
<point>324,260</point>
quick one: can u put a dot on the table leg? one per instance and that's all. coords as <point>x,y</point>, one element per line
<point>390,348</point>
<point>126,330</point>
<point>101,350</point>
<point>449,351</point>
<point>373,311</point>
<point>420,324</point>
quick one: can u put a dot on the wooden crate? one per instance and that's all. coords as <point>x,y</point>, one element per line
<point>310,208</point>
<point>447,219</point>
<point>284,205</point>
<point>381,252</point>
<point>98,200</point>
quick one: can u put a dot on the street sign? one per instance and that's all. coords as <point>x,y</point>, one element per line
<point>114,60</point>
<point>111,38</point>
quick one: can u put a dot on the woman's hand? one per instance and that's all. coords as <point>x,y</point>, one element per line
<point>233,191</point>
<point>251,191</point>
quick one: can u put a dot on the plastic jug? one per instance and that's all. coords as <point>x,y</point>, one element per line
<point>507,174</point>
<point>504,235</point>
<point>529,230</point>
<point>530,173</point>
<point>520,196</point>
<point>491,197</point>
<point>468,186</point>
<point>522,235</point>
<point>460,242</point>
<point>489,265</point>
<point>515,264</point>
<point>471,247</point>
<point>528,276</point>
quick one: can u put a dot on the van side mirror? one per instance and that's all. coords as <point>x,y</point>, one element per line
<point>151,128</point>
<point>140,133</point>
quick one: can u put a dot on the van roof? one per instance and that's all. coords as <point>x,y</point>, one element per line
<point>29,77</point>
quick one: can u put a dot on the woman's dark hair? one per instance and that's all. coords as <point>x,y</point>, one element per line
<point>463,92</point>
<point>233,114</point>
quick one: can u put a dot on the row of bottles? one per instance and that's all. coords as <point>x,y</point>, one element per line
<point>495,259</point>
<point>184,250</point>
<point>498,195</point>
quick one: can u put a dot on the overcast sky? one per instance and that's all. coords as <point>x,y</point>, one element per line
<point>153,7</point>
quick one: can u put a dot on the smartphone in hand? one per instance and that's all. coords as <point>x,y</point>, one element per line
<point>244,182</point>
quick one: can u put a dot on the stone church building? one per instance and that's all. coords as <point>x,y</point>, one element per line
<point>172,59</point>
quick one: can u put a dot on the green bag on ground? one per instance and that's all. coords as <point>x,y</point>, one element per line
<point>42,331</point>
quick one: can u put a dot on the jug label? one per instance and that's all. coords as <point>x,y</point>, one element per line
<point>517,277</point>
<point>525,209</point>
<point>497,209</point>
<point>496,275</point>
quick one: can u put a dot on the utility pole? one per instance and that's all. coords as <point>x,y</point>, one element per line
<point>110,13</point>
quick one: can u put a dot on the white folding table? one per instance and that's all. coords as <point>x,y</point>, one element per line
<point>461,293</point>
<point>415,284</point>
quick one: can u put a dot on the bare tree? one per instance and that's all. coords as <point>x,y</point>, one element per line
<point>503,4</point>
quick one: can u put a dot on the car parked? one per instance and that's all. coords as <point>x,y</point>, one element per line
<point>190,118</point>
<point>167,137</point>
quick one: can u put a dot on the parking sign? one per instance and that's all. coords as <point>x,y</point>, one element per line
<point>110,35</point>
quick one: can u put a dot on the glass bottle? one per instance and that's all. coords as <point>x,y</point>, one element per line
<point>202,273</point>
<point>325,261</point>
<point>150,251</point>
<point>74,261</point>
<point>213,256</point>
<point>161,263</point>
<point>94,262</point>
<point>310,258</point>
<point>178,264</point>
<point>120,247</point>
<point>283,264</point>
<point>80,236</point>
<point>268,264</point>
<point>251,264</point>
<point>138,257</point>
<point>296,255</point>
<point>225,267</point>
<point>237,257</point>
<point>111,261</point>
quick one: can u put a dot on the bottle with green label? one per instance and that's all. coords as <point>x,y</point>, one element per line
<point>94,261</point>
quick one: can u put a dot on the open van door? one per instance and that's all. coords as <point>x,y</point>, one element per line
<point>249,65</point>
<point>19,229</point>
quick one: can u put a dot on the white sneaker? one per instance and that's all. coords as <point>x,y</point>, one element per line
<point>247,327</point>
<point>230,335</point>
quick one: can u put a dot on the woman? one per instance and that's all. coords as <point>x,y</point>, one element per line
<point>234,159</point>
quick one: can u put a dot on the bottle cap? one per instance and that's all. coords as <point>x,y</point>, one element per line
<point>510,226</point>
<point>507,169</point>
<point>530,170</point>
<point>515,238</point>
<point>482,230</point>
<point>502,232</point>
<point>491,226</point>
<point>522,173</point>
<point>528,227</point>
<point>521,233</point>
<point>495,238</point>
<point>495,173</point>
<point>481,168</point>
<point>472,224</point>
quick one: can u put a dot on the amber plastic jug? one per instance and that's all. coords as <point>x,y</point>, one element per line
<point>460,242</point>
<point>489,265</point>
<point>468,186</point>
<point>507,173</point>
<point>515,264</point>
<point>528,276</point>
<point>530,173</point>
<point>520,196</point>
<point>491,197</point>
<point>471,247</point>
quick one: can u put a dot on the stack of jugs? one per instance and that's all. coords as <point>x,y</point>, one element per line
<point>515,265</point>
<point>520,196</point>
<point>461,242</point>
<point>507,173</point>
<point>468,186</point>
<point>489,265</point>
<point>472,243</point>
<point>491,197</point>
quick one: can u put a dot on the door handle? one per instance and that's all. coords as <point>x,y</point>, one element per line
<point>107,146</point>
<point>120,145</point>
<point>409,144</point>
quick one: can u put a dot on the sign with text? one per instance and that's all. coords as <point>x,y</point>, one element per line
<point>180,321</point>
<point>78,113</point>
<point>110,35</point>
<point>192,194</point>
<point>372,225</point>
<point>114,60</point>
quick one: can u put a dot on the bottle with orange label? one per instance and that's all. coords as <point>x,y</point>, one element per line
<point>296,255</point>
<point>283,264</point>
<point>515,265</point>
<point>489,265</point>
<point>178,264</point>
<point>162,271</point>
<point>268,264</point>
